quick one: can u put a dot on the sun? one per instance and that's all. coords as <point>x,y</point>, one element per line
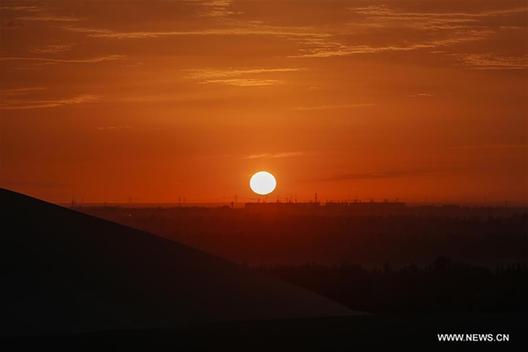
<point>262,183</point>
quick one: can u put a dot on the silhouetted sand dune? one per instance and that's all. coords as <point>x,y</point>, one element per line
<point>63,271</point>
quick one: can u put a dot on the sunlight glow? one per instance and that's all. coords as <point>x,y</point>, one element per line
<point>262,183</point>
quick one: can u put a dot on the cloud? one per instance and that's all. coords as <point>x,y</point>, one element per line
<point>36,13</point>
<point>421,95</point>
<point>212,73</point>
<point>385,11</point>
<point>331,107</point>
<point>236,77</point>
<point>245,82</point>
<point>19,8</point>
<point>274,155</point>
<point>86,30</point>
<point>243,30</point>
<point>384,16</point>
<point>432,30</point>
<point>425,30</point>
<point>217,8</point>
<point>44,60</point>
<point>51,49</point>
<point>494,62</point>
<point>322,49</point>
<point>27,104</point>
<point>8,92</point>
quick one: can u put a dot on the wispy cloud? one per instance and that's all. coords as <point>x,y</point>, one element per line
<point>386,11</point>
<point>274,155</point>
<point>242,30</point>
<point>45,60</point>
<point>37,13</point>
<point>421,95</point>
<point>9,92</point>
<point>7,103</point>
<point>245,82</point>
<point>385,16</point>
<point>217,8</point>
<point>19,8</point>
<point>494,62</point>
<point>331,107</point>
<point>427,31</point>
<point>51,49</point>
<point>237,77</point>
<point>323,49</point>
<point>85,30</point>
<point>212,73</point>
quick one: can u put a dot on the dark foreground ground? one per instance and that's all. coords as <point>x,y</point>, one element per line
<point>358,236</point>
<point>75,282</point>
<point>381,259</point>
<point>325,334</point>
<point>440,287</point>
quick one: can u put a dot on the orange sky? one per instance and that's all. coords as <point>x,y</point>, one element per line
<point>151,100</point>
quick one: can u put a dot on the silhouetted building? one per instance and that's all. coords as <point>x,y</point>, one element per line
<point>366,205</point>
<point>282,205</point>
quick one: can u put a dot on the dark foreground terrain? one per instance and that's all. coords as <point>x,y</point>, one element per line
<point>324,334</point>
<point>370,236</point>
<point>441,287</point>
<point>375,257</point>
<point>63,271</point>
<point>75,281</point>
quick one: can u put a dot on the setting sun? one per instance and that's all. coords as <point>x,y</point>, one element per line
<point>262,183</point>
